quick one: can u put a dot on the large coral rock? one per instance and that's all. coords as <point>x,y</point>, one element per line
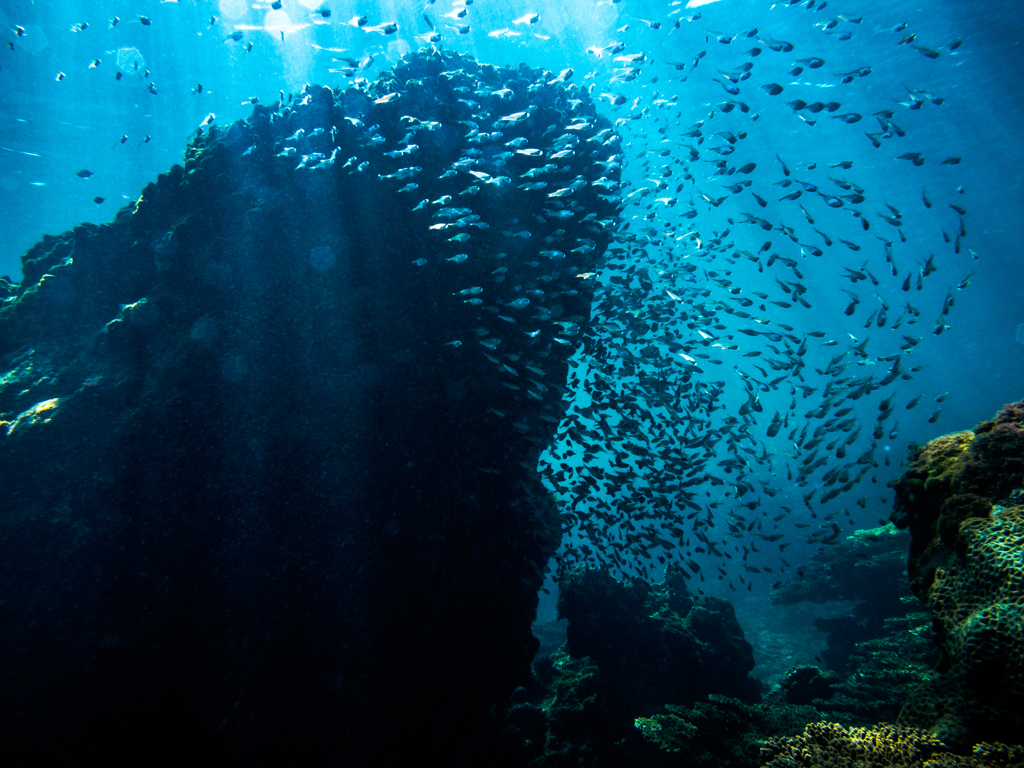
<point>268,441</point>
<point>920,493</point>
<point>967,564</point>
<point>633,652</point>
<point>656,645</point>
<point>977,603</point>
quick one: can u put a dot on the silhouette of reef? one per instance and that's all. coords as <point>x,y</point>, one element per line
<point>656,644</point>
<point>634,651</point>
<point>268,480</point>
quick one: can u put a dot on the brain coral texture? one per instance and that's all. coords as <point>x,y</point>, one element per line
<point>961,500</point>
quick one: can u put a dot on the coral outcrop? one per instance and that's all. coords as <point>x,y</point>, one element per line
<point>961,501</point>
<point>268,440</point>
<point>656,644</point>
<point>634,652</point>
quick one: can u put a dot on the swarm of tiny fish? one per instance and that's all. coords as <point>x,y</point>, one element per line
<point>755,311</point>
<point>712,420</point>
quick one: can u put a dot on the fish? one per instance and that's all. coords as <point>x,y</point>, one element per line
<point>386,29</point>
<point>401,173</point>
<point>704,269</point>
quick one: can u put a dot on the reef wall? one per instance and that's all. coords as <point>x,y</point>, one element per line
<point>962,499</point>
<point>268,440</point>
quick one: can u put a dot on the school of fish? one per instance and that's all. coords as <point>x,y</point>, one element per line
<point>755,313</point>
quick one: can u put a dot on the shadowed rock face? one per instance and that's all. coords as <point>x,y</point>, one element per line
<point>656,645</point>
<point>256,500</point>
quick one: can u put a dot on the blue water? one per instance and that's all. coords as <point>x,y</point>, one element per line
<point>62,114</point>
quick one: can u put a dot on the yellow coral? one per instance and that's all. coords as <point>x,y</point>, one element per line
<point>40,413</point>
<point>941,456</point>
<point>979,601</point>
<point>829,745</point>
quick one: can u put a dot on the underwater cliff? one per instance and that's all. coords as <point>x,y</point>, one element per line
<point>270,438</point>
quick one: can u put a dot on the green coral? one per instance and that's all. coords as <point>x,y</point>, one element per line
<point>978,606</point>
<point>967,564</point>
<point>668,733</point>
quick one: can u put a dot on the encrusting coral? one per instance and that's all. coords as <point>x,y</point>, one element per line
<point>961,500</point>
<point>828,745</point>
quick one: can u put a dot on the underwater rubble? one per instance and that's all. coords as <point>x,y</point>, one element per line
<point>270,438</point>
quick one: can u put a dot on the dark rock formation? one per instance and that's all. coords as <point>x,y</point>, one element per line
<point>656,645</point>
<point>633,650</point>
<point>805,684</point>
<point>646,692</point>
<point>269,439</point>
